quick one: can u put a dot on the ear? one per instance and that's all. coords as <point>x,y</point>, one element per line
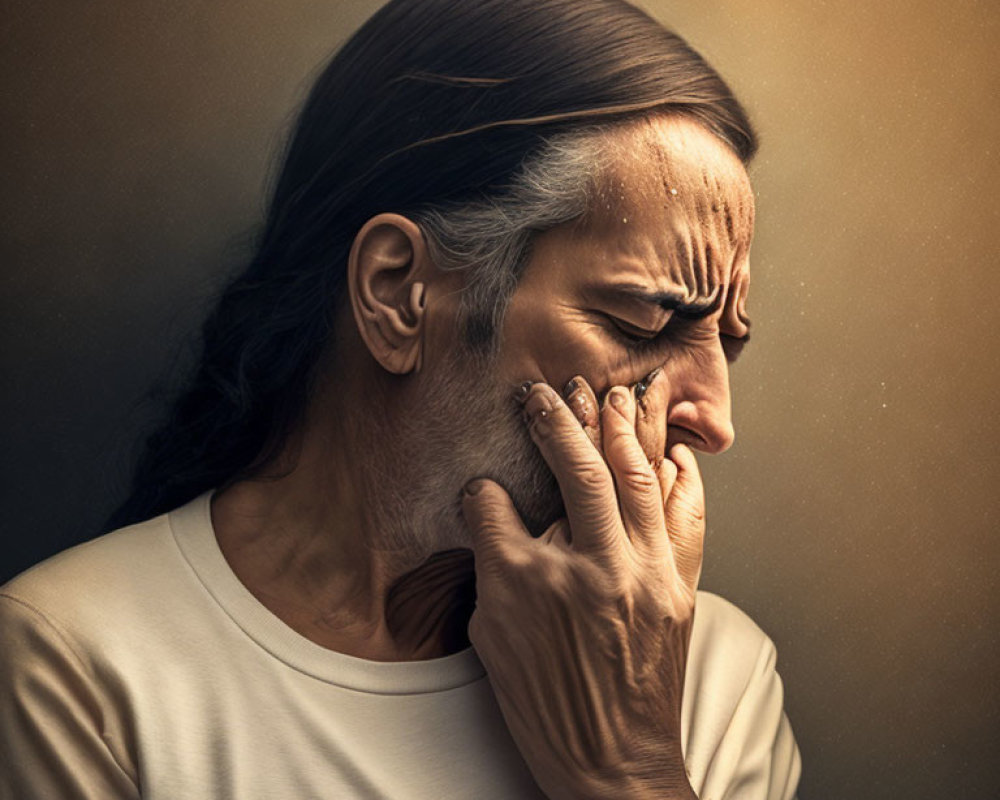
<point>386,275</point>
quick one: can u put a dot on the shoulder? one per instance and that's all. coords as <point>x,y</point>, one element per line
<point>98,592</point>
<point>114,612</point>
<point>119,563</point>
<point>724,654</point>
<point>725,641</point>
<point>734,727</point>
<point>62,704</point>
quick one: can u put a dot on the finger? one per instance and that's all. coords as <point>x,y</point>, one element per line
<point>583,403</point>
<point>496,529</point>
<point>667,475</point>
<point>652,394</point>
<point>659,547</point>
<point>685,515</point>
<point>638,486</point>
<point>587,488</point>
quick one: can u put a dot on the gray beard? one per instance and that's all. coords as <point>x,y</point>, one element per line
<point>469,426</point>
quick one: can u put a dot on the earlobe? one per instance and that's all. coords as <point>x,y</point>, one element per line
<point>386,282</point>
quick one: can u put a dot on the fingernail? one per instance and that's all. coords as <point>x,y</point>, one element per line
<point>539,404</point>
<point>571,387</point>
<point>580,406</point>
<point>643,386</point>
<point>474,486</point>
<point>522,391</point>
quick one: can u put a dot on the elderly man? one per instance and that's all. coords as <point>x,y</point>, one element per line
<point>426,521</point>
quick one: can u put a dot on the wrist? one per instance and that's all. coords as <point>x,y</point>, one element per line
<point>657,775</point>
<point>663,785</point>
<point>651,791</point>
<point>644,792</point>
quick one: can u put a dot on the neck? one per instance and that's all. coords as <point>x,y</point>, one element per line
<point>358,552</point>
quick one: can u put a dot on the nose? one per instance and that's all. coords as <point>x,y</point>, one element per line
<point>700,412</point>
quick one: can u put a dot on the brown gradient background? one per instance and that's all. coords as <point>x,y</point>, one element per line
<point>855,517</point>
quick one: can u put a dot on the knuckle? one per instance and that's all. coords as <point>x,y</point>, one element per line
<point>559,580</point>
<point>516,567</point>
<point>689,549</point>
<point>491,510</point>
<point>558,424</point>
<point>667,469</point>
<point>693,502</point>
<point>518,559</point>
<point>605,581</point>
<point>541,428</point>
<point>591,477</point>
<point>486,526</point>
<point>639,478</point>
<point>491,530</point>
<point>599,517</point>
<point>618,441</point>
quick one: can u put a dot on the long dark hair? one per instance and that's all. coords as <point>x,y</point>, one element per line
<point>431,101</point>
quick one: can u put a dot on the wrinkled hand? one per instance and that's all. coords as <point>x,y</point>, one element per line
<point>584,631</point>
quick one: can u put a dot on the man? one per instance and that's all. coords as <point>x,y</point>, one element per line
<point>371,469</point>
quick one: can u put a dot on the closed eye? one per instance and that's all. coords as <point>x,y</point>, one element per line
<point>631,332</point>
<point>640,339</point>
<point>637,341</point>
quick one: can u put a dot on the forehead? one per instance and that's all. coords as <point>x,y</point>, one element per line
<point>675,166</point>
<point>674,197</point>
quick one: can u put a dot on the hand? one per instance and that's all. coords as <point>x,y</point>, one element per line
<point>584,631</point>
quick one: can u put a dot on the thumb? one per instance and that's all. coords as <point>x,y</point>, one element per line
<point>494,524</point>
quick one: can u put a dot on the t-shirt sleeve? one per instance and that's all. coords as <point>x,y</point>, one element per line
<point>758,746</point>
<point>58,736</point>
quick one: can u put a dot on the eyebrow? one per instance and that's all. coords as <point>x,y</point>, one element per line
<point>674,301</point>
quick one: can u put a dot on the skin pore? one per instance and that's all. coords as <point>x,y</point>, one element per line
<point>358,542</point>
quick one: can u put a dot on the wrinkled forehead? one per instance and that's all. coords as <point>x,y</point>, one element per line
<point>672,173</point>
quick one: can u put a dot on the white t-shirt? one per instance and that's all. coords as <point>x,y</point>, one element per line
<point>137,664</point>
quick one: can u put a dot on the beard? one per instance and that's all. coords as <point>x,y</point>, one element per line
<point>468,426</point>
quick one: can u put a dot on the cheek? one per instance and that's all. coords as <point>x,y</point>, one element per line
<point>699,370</point>
<point>685,356</point>
<point>545,344</point>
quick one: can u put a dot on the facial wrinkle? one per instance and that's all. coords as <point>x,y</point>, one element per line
<point>683,220</point>
<point>704,263</point>
<point>730,224</point>
<point>734,319</point>
<point>680,274</point>
<point>706,198</point>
